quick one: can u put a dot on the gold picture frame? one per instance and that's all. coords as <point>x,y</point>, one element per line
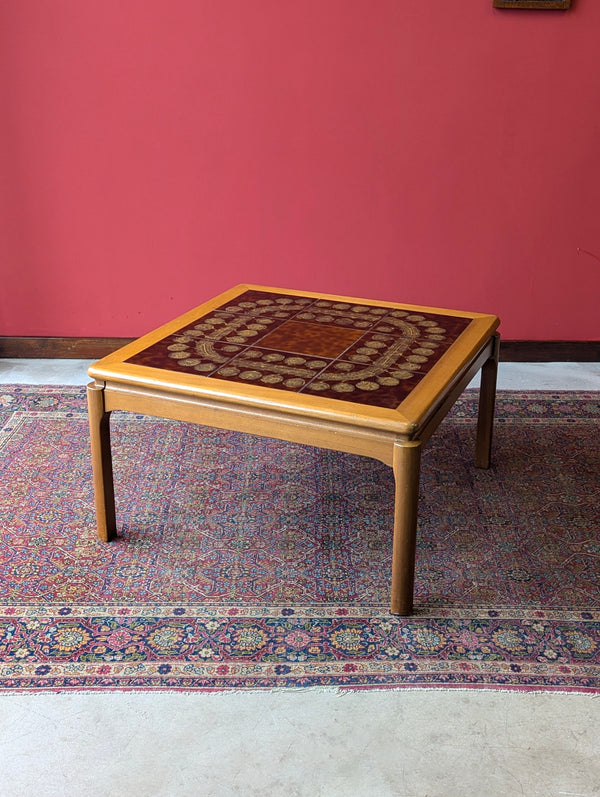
<point>548,4</point>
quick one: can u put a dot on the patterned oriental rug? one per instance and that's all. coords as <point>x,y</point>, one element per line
<point>247,563</point>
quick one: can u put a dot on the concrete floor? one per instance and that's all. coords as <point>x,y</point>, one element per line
<point>511,376</point>
<point>322,743</point>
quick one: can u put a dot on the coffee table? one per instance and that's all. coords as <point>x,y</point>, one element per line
<point>369,377</point>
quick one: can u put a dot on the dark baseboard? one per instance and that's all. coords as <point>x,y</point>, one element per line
<point>60,348</point>
<point>550,351</point>
<point>526,351</point>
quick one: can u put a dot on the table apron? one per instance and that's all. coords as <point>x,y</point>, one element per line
<point>438,412</point>
<point>332,435</point>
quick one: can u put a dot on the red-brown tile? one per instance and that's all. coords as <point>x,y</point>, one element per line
<point>313,339</point>
<point>350,352</point>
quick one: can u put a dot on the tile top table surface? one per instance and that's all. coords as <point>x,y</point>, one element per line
<point>253,338</point>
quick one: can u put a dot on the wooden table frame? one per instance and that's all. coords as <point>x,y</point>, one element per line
<point>395,437</point>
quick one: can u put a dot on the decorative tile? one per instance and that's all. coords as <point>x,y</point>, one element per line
<point>309,338</point>
<point>343,350</point>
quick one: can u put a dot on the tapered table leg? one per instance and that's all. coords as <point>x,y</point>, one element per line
<point>487,400</point>
<point>407,466</point>
<point>102,464</point>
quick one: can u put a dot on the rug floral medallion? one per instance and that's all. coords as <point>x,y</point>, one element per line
<point>248,563</point>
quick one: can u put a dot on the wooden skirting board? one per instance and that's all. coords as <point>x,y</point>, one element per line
<point>59,348</point>
<point>95,348</point>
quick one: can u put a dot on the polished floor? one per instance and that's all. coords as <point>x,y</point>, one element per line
<point>319,743</point>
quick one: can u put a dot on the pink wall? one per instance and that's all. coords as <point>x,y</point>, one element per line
<point>155,152</point>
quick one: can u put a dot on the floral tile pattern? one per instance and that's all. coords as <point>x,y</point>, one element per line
<point>347,351</point>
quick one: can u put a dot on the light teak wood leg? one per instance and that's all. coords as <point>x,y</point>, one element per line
<point>102,464</point>
<point>407,466</point>
<point>487,400</point>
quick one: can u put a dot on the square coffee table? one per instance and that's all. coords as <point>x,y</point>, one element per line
<point>365,377</point>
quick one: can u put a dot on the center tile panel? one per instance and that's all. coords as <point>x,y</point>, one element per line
<point>352,352</point>
<point>307,338</point>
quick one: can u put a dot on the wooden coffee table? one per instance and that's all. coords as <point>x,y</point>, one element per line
<point>364,377</point>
